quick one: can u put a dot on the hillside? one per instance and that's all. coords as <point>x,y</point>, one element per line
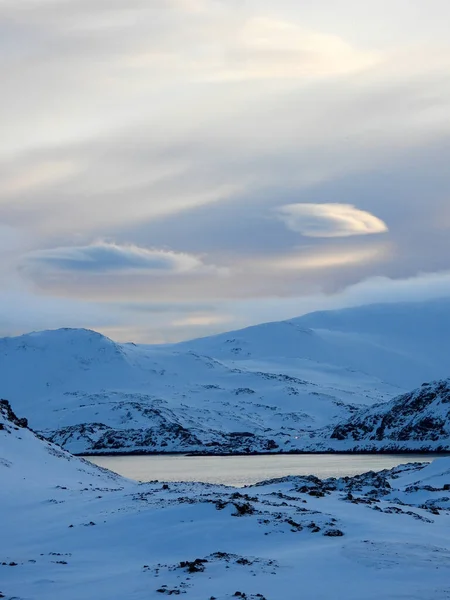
<point>402,344</point>
<point>71,530</point>
<point>418,419</point>
<point>266,388</point>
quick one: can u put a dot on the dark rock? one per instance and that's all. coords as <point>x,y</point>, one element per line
<point>333,533</point>
<point>243,509</point>
<point>420,415</point>
<point>193,566</point>
<point>5,408</point>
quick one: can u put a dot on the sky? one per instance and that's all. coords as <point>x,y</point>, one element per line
<point>175,168</point>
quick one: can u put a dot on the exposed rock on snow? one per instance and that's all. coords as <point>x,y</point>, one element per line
<point>8,418</point>
<point>420,418</point>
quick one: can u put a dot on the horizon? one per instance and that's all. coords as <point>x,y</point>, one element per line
<point>175,171</point>
<point>357,307</point>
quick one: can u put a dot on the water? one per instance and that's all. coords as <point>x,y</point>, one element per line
<point>245,470</point>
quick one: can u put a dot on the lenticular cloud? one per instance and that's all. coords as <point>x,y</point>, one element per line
<point>103,257</point>
<point>330,220</point>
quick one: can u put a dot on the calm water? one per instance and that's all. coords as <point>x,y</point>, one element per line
<point>244,470</point>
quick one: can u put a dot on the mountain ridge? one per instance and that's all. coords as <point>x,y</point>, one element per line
<point>273,387</point>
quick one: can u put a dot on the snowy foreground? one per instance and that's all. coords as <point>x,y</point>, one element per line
<point>72,531</point>
<point>274,387</point>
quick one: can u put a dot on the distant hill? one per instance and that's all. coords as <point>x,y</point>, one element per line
<point>403,344</point>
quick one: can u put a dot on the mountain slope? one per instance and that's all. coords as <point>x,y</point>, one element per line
<point>403,344</point>
<point>71,530</point>
<point>420,418</point>
<point>264,388</point>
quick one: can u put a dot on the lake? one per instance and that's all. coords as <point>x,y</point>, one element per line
<point>245,470</point>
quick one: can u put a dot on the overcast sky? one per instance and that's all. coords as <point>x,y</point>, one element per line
<point>175,168</point>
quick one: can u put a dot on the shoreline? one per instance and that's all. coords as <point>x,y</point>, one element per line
<point>199,454</point>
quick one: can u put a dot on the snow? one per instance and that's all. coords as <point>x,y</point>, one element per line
<point>71,530</point>
<point>270,387</point>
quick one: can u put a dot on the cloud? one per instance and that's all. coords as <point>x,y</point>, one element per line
<point>422,288</point>
<point>273,48</point>
<point>330,220</point>
<point>258,47</point>
<point>105,257</point>
<point>175,139</point>
<point>201,320</point>
<point>10,240</point>
<point>37,176</point>
<point>327,259</point>
<point>185,124</point>
<point>23,310</point>
<point>241,313</point>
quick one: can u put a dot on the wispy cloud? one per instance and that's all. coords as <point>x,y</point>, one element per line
<point>44,174</point>
<point>104,257</point>
<point>254,48</point>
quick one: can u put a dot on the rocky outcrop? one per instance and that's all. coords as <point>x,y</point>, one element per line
<point>8,416</point>
<point>420,416</point>
<point>98,438</point>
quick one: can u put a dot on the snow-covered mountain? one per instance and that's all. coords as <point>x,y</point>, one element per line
<point>72,530</point>
<point>263,388</point>
<point>420,419</point>
<point>403,344</point>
